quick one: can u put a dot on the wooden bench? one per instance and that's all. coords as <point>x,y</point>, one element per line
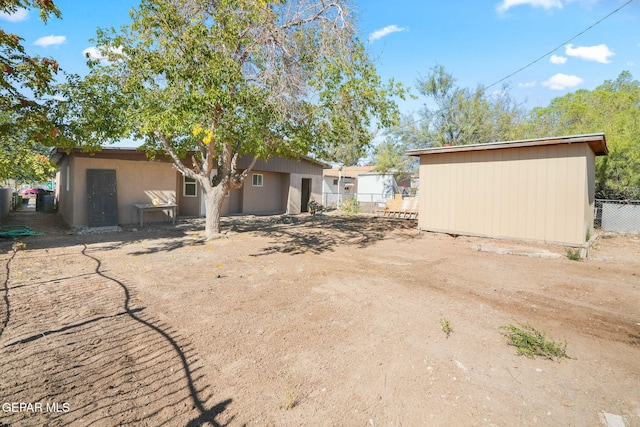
<point>141,208</point>
<point>400,208</point>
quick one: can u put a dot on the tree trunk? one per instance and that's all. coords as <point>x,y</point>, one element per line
<point>213,200</point>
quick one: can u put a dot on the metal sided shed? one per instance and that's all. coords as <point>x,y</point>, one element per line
<point>538,189</point>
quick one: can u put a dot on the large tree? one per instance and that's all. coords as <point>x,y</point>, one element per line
<point>460,116</point>
<point>25,81</point>
<point>211,81</point>
<point>612,108</point>
<point>451,115</point>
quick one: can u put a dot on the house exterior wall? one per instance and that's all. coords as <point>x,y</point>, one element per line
<point>188,206</point>
<point>375,187</point>
<point>157,180</point>
<point>233,203</point>
<point>294,198</point>
<point>140,180</point>
<point>327,185</point>
<point>540,193</point>
<point>266,199</point>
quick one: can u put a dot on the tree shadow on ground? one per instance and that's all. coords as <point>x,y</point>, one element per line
<point>297,234</point>
<point>95,348</point>
<point>307,234</point>
<point>53,232</point>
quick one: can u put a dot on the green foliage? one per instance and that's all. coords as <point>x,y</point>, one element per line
<point>453,116</point>
<point>232,78</point>
<point>22,156</point>
<point>389,156</point>
<point>462,116</point>
<point>532,343</point>
<point>350,206</point>
<point>612,108</point>
<point>446,327</point>
<point>573,254</point>
<point>25,80</point>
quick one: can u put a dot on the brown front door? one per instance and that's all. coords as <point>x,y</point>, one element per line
<point>102,197</point>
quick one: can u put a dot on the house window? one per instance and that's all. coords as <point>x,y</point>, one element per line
<point>190,187</point>
<point>257,179</point>
<point>335,182</point>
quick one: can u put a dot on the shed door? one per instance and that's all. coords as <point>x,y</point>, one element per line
<point>102,197</point>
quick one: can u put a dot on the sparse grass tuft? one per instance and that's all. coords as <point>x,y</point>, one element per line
<point>532,343</point>
<point>573,254</point>
<point>446,327</point>
<point>290,400</point>
<point>350,206</point>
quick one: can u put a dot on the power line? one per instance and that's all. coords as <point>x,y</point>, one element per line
<point>415,122</point>
<point>559,46</point>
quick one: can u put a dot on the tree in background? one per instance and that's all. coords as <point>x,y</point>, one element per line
<point>612,108</point>
<point>461,116</point>
<point>22,157</point>
<point>25,80</point>
<point>389,156</point>
<point>230,78</point>
<point>454,116</point>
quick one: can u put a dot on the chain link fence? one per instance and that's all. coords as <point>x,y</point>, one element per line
<point>368,202</point>
<point>620,216</point>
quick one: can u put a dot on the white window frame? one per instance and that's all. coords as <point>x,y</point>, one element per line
<point>257,180</point>
<point>186,183</point>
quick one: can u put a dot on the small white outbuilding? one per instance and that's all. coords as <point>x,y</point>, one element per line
<point>538,189</point>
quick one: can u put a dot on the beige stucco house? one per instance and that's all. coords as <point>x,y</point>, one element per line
<point>101,188</point>
<point>539,189</point>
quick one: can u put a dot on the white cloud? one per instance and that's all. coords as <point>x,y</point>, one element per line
<point>96,54</point>
<point>599,53</point>
<point>555,59</point>
<point>562,81</point>
<point>93,53</point>
<point>527,84</point>
<point>17,16</point>
<point>378,34</point>
<point>50,40</point>
<point>545,4</point>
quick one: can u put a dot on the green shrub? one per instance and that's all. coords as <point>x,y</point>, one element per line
<point>573,254</point>
<point>446,327</point>
<point>533,343</point>
<point>350,206</point>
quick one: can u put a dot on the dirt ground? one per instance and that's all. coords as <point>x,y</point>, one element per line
<point>294,321</point>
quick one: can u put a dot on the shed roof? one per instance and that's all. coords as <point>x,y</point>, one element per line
<point>596,141</point>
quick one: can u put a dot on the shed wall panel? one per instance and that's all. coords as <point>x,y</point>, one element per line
<point>529,193</point>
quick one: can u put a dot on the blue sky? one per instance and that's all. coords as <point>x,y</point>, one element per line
<point>479,42</point>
